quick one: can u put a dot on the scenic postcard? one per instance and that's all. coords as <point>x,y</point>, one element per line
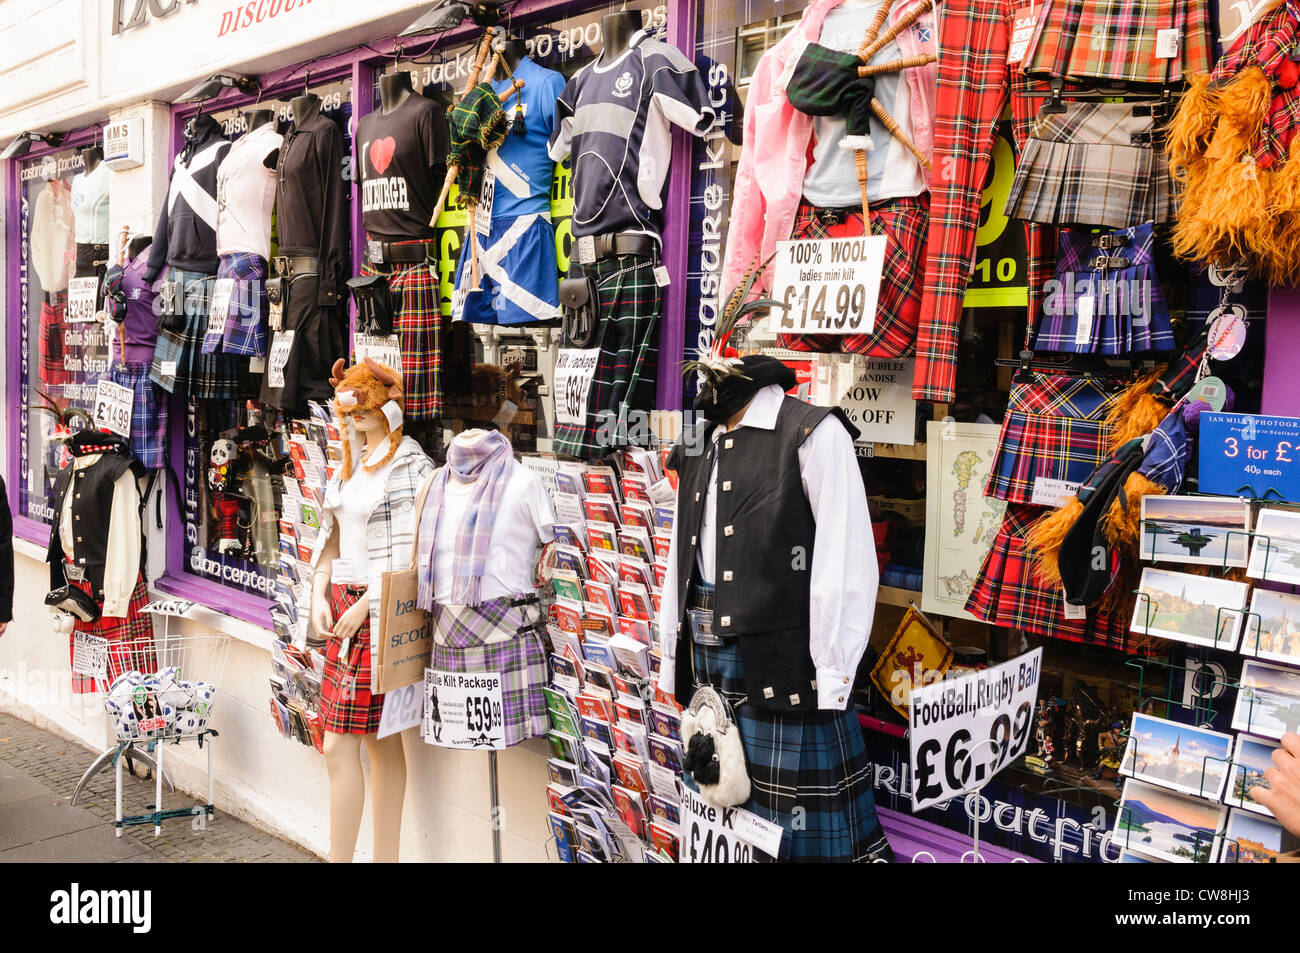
<point>1196,609</point>
<point>1187,759</point>
<point>1272,630</point>
<point>1253,840</point>
<point>1207,530</point>
<point>1268,702</point>
<point>1252,758</point>
<point>1168,826</point>
<point>1275,555</point>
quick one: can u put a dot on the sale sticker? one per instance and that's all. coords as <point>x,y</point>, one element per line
<point>483,214</point>
<point>827,285</point>
<point>574,369</point>
<point>463,710</point>
<point>81,300</point>
<point>724,835</point>
<point>875,394</point>
<point>1250,455</point>
<point>113,405</point>
<point>384,349</point>
<point>281,348</point>
<point>965,730</point>
<point>222,291</point>
<point>89,655</point>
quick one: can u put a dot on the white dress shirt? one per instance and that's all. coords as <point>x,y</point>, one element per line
<point>122,560</point>
<point>845,576</point>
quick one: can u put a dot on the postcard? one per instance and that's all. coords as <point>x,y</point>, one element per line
<point>1272,630</point>
<point>1155,822</point>
<point>1252,758</point>
<point>1201,610</point>
<point>1251,839</point>
<point>1275,555</point>
<point>1181,757</point>
<point>1268,701</point>
<point>1206,530</point>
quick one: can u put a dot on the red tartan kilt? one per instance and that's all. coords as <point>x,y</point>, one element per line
<point>347,706</point>
<point>131,646</point>
<point>905,222</point>
<point>53,373</point>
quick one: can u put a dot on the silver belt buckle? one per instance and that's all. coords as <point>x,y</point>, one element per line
<point>587,250</point>
<point>74,573</point>
<point>702,627</point>
<point>374,252</point>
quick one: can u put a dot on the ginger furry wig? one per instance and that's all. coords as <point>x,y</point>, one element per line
<point>370,385</point>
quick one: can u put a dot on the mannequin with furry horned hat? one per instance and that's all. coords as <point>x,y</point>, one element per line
<point>367,529</point>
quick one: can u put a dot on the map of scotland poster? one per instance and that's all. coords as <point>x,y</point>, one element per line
<point>960,520</point>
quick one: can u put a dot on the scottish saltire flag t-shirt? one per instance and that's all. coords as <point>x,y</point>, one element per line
<point>522,165</point>
<point>615,122</point>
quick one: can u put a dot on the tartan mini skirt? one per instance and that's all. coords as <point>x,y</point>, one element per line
<point>905,222</point>
<point>1119,40</point>
<point>148,413</point>
<point>54,307</point>
<point>1054,429</point>
<point>130,638</point>
<point>461,643</point>
<point>1095,164</point>
<point>417,320</point>
<point>347,706</point>
<point>1106,297</point>
<point>205,376</point>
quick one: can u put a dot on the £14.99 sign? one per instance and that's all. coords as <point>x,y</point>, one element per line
<point>827,285</point>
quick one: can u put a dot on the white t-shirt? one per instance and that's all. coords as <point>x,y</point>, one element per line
<point>246,194</point>
<point>359,495</point>
<point>524,521</point>
<point>90,206</point>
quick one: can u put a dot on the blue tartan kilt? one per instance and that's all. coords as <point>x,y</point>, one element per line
<point>148,413</point>
<point>810,773</point>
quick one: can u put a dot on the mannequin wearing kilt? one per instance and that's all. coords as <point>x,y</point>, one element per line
<point>367,528</point>
<point>769,598</point>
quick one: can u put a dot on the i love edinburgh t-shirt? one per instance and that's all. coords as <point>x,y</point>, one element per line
<point>403,160</point>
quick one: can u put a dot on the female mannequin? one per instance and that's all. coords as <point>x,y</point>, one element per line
<point>484,519</point>
<point>366,530</point>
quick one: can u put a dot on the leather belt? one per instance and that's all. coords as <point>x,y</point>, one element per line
<point>593,248</point>
<point>287,266</point>
<point>401,253</point>
<point>830,217</point>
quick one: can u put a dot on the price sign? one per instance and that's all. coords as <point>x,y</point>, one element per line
<point>574,369</point>
<point>965,730</point>
<point>178,608</point>
<point>281,347</point>
<point>1242,454</point>
<point>875,394</point>
<point>403,707</point>
<point>483,214</point>
<point>90,655</point>
<point>386,349</point>
<point>828,286</point>
<point>724,835</point>
<point>222,291</point>
<point>463,710</point>
<point>113,404</point>
<point>81,300</point>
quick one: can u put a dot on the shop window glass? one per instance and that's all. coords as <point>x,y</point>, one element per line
<point>63,229</point>
<point>231,535</point>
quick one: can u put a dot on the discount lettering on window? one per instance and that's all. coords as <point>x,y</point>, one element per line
<point>827,285</point>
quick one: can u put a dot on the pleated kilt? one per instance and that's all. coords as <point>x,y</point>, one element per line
<point>245,330</point>
<point>1117,40</point>
<point>1006,592</point>
<point>1128,313</point>
<point>811,767</point>
<point>1054,428</point>
<point>624,378</point>
<point>1081,167</point>
<point>417,319</point>
<point>905,222</point>
<point>205,376</point>
<point>148,413</point>
<point>347,706</point>
<point>130,638</point>
<point>460,644</point>
<point>54,309</point>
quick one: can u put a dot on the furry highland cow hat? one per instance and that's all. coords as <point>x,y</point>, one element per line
<point>363,388</point>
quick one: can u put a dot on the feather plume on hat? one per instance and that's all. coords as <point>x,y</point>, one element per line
<point>722,361</point>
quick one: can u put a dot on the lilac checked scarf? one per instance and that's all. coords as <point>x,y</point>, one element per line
<point>488,462</point>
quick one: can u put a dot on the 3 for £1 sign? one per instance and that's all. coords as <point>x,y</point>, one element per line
<point>1250,455</point>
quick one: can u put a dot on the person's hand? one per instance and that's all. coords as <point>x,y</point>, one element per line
<point>3,626</point>
<point>352,619</point>
<point>1282,796</point>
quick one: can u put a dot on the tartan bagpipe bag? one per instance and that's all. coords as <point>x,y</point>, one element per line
<point>405,630</point>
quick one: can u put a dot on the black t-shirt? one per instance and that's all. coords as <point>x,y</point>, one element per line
<point>403,160</point>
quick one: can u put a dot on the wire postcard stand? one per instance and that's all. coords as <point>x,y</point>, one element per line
<point>158,690</point>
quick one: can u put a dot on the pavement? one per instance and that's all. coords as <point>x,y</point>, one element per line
<point>39,824</point>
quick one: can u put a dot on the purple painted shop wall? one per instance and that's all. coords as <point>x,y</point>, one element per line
<point>1282,354</point>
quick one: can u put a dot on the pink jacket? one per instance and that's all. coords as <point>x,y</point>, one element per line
<point>769,179</point>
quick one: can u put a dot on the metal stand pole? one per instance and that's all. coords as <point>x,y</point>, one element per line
<point>496,803</point>
<point>157,804</point>
<point>117,768</point>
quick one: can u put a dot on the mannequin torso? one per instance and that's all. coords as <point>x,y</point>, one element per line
<point>302,104</point>
<point>91,158</point>
<point>617,29</point>
<point>394,89</point>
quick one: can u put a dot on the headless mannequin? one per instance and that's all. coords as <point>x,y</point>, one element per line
<point>343,751</point>
<point>257,118</point>
<point>138,244</point>
<point>301,104</point>
<point>91,158</point>
<point>617,29</point>
<point>512,51</point>
<point>394,89</point>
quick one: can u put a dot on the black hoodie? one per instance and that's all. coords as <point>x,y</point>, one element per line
<point>186,236</point>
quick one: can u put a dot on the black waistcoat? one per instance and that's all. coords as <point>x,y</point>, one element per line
<point>92,507</point>
<point>764,544</point>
